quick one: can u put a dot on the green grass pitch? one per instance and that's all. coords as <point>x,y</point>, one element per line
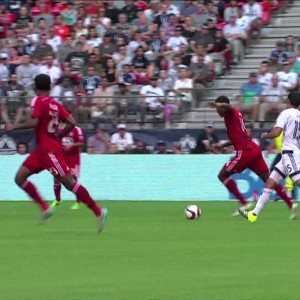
<point>148,251</point>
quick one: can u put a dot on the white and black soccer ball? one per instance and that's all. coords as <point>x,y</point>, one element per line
<point>192,212</point>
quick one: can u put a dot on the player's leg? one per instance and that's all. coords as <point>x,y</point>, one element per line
<point>281,192</point>
<point>235,165</point>
<point>83,196</point>
<point>29,167</point>
<point>57,190</point>
<point>56,164</point>
<point>76,205</point>
<point>75,174</point>
<point>275,177</point>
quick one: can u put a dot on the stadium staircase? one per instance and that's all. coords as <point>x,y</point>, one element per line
<point>280,26</point>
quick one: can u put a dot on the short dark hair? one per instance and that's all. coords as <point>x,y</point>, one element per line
<point>222,99</point>
<point>294,98</point>
<point>265,62</point>
<point>42,82</point>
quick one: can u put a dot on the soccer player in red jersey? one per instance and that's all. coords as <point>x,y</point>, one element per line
<point>248,154</point>
<point>71,146</point>
<point>45,118</point>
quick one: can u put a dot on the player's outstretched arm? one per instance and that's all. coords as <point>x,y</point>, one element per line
<point>276,132</point>
<point>70,124</point>
<point>31,123</point>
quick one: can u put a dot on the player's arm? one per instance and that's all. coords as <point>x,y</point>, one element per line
<point>276,132</point>
<point>70,124</point>
<point>31,123</point>
<point>225,106</point>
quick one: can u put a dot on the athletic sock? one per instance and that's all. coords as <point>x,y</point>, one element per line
<point>83,196</point>
<point>57,189</point>
<point>33,193</point>
<point>283,195</point>
<point>262,201</point>
<point>233,189</point>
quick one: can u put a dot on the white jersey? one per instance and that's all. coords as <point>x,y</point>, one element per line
<point>289,121</point>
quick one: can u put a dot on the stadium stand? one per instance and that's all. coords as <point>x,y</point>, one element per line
<point>151,64</point>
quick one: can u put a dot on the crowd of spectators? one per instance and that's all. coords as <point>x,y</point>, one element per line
<point>106,60</point>
<point>266,91</point>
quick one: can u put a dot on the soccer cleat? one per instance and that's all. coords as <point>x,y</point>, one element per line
<point>75,206</point>
<point>294,214</point>
<point>242,208</point>
<point>102,219</point>
<point>46,214</point>
<point>55,203</point>
<point>249,215</point>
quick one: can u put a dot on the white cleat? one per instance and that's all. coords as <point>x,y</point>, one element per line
<point>46,214</point>
<point>241,209</point>
<point>294,212</point>
<point>102,219</point>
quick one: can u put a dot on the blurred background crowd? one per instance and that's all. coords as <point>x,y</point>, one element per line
<point>128,61</point>
<point>111,59</point>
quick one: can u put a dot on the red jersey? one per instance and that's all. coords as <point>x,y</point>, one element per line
<point>236,130</point>
<point>50,113</point>
<point>72,155</point>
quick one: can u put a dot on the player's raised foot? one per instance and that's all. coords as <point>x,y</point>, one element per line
<point>75,206</point>
<point>55,203</point>
<point>249,215</point>
<point>294,212</point>
<point>245,207</point>
<point>46,214</point>
<point>102,219</point>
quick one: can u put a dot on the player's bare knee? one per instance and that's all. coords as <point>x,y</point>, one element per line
<point>270,184</point>
<point>19,179</point>
<point>222,175</point>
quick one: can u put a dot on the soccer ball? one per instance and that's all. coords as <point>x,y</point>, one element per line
<point>192,212</point>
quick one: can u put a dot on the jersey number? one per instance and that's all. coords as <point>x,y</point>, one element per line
<point>53,124</point>
<point>296,134</point>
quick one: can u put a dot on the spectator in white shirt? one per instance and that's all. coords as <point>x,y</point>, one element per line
<point>153,96</point>
<point>288,78</point>
<point>243,21</point>
<point>231,10</point>
<point>122,139</point>
<point>174,42</point>
<point>54,40</point>
<point>183,86</point>
<point>264,76</point>
<point>273,99</point>
<point>235,36</point>
<point>50,69</point>
<point>254,10</point>
<point>171,8</point>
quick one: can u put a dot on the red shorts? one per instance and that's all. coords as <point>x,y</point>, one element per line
<point>247,159</point>
<point>74,166</point>
<point>44,160</point>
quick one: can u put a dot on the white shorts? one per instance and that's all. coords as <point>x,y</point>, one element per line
<point>289,165</point>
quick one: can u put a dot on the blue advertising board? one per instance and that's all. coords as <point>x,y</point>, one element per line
<point>138,177</point>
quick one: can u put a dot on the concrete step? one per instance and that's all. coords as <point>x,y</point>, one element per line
<point>279,31</point>
<point>294,13</point>
<point>261,51</point>
<point>254,56</point>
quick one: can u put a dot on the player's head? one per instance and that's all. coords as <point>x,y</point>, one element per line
<point>42,83</point>
<point>293,99</point>
<point>222,99</point>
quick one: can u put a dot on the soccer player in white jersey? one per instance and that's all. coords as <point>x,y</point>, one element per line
<point>287,122</point>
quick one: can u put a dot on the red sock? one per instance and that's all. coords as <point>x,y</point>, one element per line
<point>83,196</point>
<point>283,195</point>
<point>233,189</point>
<point>33,193</point>
<point>57,189</point>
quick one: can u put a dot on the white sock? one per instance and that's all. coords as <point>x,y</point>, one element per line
<point>262,201</point>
